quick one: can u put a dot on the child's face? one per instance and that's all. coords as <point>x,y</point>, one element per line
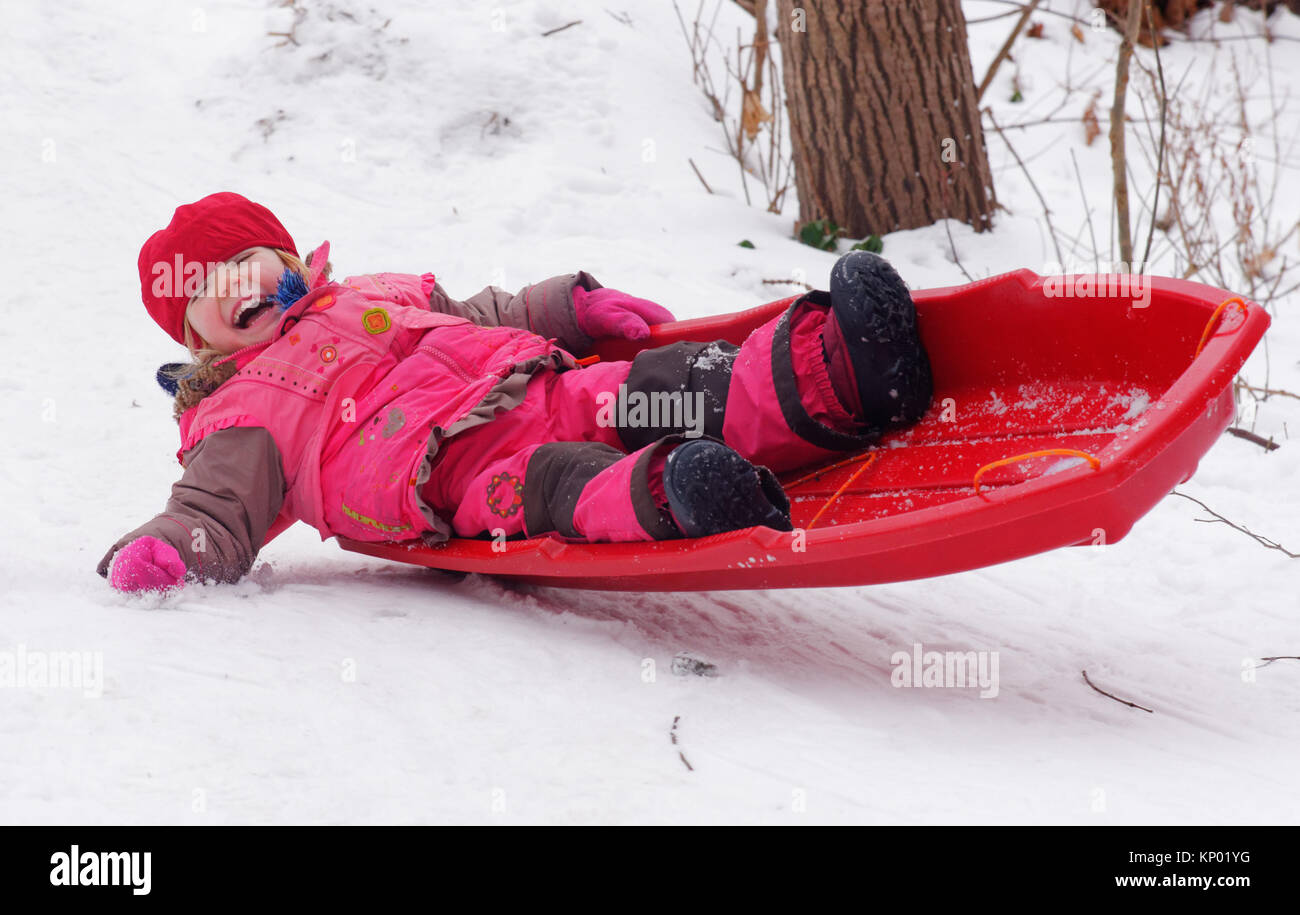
<point>231,312</point>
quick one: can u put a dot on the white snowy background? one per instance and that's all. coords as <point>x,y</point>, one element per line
<point>332,688</point>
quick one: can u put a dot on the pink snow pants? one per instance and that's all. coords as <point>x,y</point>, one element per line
<point>578,459</point>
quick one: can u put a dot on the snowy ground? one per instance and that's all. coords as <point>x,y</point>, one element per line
<point>328,687</point>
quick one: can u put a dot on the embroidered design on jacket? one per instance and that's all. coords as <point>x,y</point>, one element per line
<point>375,321</point>
<point>378,525</point>
<point>505,495</point>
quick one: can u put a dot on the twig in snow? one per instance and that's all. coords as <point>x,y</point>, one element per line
<point>622,17</point>
<point>1269,660</point>
<point>701,177</point>
<point>562,27</point>
<point>1116,698</point>
<point>1264,541</point>
<point>955,258</point>
<point>787,283</point>
<point>1266,443</point>
<point>672,735</point>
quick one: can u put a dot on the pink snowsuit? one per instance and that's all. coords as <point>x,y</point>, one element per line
<point>373,414</point>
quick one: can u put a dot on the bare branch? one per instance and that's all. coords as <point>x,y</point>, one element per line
<point>1264,541</point>
<point>1088,209</point>
<point>1269,392</point>
<point>1005,49</point>
<point>1047,214</point>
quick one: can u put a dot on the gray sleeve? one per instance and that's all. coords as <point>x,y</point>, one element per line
<point>222,507</point>
<point>545,308</point>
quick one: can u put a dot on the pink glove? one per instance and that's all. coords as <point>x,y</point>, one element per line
<point>610,313</point>
<point>147,564</point>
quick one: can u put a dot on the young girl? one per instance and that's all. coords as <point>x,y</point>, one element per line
<point>380,408</point>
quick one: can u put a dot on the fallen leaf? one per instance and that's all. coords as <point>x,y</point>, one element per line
<point>752,114</point>
<point>1091,129</point>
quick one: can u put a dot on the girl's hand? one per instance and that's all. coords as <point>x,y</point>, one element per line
<point>610,313</point>
<point>147,564</point>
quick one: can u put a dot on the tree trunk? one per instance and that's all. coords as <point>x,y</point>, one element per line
<point>884,124</point>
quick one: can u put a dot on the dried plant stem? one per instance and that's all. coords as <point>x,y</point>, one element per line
<point>701,177</point>
<point>955,258</point>
<point>1088,209</point>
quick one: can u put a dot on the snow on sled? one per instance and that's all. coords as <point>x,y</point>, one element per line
<point>1065,408</point>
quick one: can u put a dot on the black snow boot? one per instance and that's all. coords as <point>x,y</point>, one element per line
<point>712,489</point>
<point>877,325</point>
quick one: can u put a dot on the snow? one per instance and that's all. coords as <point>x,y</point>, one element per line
<point>328,687</point>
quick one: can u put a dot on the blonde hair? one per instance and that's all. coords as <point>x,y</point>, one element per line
<point>206,372</point>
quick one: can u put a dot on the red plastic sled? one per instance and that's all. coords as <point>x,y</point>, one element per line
<point>1022,364</point>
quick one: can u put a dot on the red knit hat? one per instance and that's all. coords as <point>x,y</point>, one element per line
<point>174,262</point>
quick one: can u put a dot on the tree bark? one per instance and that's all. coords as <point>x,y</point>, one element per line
<point>884,124</point>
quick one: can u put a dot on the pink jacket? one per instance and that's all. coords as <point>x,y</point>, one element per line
<point>360,384</point>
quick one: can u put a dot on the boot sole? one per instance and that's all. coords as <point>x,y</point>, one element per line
<point>711,489</point>
<point>878,320</point>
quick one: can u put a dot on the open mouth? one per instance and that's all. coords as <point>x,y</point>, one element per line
<point>251,311</point>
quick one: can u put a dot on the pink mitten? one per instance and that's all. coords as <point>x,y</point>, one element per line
<point>610,313</point>
<point>147,564</point>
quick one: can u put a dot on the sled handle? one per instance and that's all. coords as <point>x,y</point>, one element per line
<point>1046,452</point>
<point>1214,318</point>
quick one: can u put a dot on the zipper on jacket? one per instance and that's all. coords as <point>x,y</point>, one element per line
<point>235,355</point>
<point>447,361</point>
